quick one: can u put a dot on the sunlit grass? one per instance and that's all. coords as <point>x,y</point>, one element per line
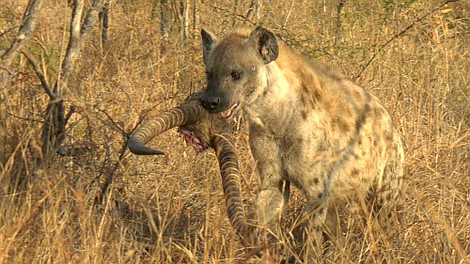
<point>170,208</point>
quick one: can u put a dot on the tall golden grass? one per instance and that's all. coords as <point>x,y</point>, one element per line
<point>170,208</point>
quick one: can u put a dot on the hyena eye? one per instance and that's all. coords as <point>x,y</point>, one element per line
<point>235,75</point>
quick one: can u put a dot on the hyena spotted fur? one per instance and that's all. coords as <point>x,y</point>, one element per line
<point>309,125</point>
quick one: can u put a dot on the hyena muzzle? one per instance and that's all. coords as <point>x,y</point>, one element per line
<point>309,125</point>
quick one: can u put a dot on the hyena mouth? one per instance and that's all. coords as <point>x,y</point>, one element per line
<point>191,139</point>
<point>227,113</point>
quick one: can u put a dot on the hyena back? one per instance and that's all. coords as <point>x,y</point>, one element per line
<point>309,126</point>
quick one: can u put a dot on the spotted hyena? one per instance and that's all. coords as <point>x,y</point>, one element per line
<point>309,125</point>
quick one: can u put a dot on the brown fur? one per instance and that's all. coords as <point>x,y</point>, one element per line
<point>309,126</point>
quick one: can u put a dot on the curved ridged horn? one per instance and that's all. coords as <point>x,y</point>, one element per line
<point>187,112</point>
<point>228,162</point>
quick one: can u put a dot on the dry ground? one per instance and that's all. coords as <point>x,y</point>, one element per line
<point>170,208</point>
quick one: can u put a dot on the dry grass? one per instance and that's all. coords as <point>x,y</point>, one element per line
<point>171,209</point>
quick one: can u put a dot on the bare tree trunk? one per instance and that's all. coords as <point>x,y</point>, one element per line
<point>53,132</point>
<point>339,21</point>
<point>27,27</point>
<point>104,22</point>
<point>165,15</point>
<point>186,20</point>
<point>26,30</point>
<point>155,5</point>
<point>194,15</point>
<point>178,16</point>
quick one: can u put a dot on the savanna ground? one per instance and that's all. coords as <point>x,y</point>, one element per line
<point>170,208</point>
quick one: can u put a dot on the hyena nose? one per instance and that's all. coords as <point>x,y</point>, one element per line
<point>211,103</point>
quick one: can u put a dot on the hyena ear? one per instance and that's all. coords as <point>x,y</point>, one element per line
<point>208,43</point>
<point>266,42</point>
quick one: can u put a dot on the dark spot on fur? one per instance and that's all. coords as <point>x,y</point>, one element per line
<point>376,142</point>
<point>317,95</point>
<point>303,99</point>
<point>305,89</point>
<point>316,181</point>
<point>320,195</point>
<point>309,98</point>
<point>342,124</point>
<point>321,210</point>
<point>304,114</point>
<point>378,112</point>
<point>362,117</point>
<point>355,156</point>
<point>350,112</point>
<point>357,96</point>
<point>354,172</point>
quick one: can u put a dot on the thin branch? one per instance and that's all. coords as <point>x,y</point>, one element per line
<point>401,33</point>
<point>29,119</point>
<point>288,14</point>
<point>72,110</point>
<point>109,177</point>
<point>39,73</point>
<point>241,17</point>
<point>114,123</point>
<point>8,71</point>
<point>6,32</point>
<point>235,10</point>
<point>252,9</point>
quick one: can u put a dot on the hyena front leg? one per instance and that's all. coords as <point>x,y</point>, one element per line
<point>333,229</point>
<point>270,201</point>
<point>273,194</point>
<point>323,234</point>
<point>316,191</point>
<point>314,231</point>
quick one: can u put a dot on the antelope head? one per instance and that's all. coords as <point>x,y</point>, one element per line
<point>202,130</point>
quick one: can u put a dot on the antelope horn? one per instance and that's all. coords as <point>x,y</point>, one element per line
<point>228,162</point>
<point>187,112</point>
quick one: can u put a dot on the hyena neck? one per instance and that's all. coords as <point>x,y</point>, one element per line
<point>275,103</point>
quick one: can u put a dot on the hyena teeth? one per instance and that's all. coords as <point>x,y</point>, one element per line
<point>227,113</point>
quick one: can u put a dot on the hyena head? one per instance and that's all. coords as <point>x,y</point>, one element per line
<point>235,68</point>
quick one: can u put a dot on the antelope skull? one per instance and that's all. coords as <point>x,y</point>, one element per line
<point>203,130</point>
